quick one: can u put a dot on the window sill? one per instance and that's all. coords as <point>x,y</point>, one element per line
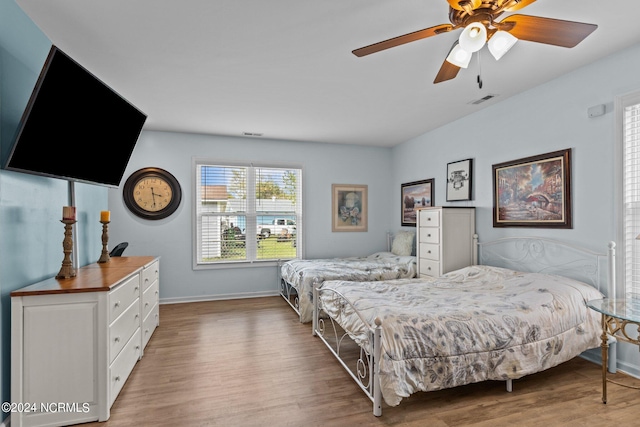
<point>238,264</point>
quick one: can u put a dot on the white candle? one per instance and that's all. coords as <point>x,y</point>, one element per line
<point>69,213</point>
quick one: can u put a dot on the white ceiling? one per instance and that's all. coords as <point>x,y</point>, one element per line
<point>284,68</point>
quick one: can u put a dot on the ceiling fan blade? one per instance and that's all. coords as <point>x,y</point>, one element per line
<point>547,30</point>
<point>517,5</point>
<point>400,40</point>
<point>448,71</point>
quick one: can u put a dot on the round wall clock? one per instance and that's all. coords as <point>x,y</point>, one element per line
<point>152,193</point>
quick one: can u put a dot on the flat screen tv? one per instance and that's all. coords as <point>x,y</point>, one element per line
<point>75,127</point>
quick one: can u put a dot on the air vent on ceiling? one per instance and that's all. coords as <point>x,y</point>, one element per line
<point>483,99</point>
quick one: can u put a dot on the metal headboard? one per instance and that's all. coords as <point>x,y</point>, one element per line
<point>392,234</point>
<point>542,255</point>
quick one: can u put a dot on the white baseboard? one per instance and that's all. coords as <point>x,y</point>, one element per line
<point>202,298</point>
<point>594,355</point>
<point>628,368</point>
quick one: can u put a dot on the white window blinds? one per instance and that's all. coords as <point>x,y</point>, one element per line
<point>631,193</point>
<point>247,213</point>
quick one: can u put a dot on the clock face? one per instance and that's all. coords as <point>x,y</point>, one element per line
<point>152,193</point>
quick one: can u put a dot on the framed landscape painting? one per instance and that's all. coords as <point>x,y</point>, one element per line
<point>349,207</point>
<point>415,195</point>
<point>533,192</point>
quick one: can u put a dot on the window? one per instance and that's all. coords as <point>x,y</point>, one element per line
<point>628,118</point>
<point>247,213</point>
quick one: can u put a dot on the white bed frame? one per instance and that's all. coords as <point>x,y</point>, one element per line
<point>290,294</point>
<point>287,291</point>
<point>531,254</point>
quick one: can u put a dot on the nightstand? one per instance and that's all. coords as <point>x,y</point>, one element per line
<point>617,314</point>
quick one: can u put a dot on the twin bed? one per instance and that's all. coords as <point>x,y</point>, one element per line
<point>297,276</point>
<point>520,311</point>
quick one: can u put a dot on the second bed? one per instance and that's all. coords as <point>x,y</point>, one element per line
<point>474,324</point>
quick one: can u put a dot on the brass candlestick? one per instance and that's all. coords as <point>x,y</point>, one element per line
<point>105,240</point>
<point>67,271</point>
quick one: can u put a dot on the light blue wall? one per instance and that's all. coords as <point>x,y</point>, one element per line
<point>31,207</point>
<point>547,118</point>
<point>172,238</point>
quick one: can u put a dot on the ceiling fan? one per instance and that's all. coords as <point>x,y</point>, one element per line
<point>479,18</point>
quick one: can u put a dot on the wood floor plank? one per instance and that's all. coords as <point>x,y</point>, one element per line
<point>251,363</point>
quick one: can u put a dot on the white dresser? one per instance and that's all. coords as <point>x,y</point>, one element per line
<point>445,240</point>
<point>150,300</point>
<point>75,341</point>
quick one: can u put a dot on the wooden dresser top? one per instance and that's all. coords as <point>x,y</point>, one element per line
<point>96,277</point>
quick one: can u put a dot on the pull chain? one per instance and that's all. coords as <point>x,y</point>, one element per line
<point>479,71</point>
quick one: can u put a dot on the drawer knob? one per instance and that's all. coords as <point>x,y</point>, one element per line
<point>146,304</point>
<point>429,235</point>
<point>117,304</point>
<point>117,339</point>
<point>428,219</point>
<point>428,252</point>
<point>428,268</point>
<point>136,289</point>
<point>117,378</point>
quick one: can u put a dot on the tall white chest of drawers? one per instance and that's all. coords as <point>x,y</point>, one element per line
<point>445,240</point>
<point>75,341</point>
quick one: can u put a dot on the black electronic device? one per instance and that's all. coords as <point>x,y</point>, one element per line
<point>75,127</point>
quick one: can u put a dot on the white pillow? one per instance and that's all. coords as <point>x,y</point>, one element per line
<point>403,243</point>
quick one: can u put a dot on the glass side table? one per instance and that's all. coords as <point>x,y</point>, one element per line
<point>617,314</point>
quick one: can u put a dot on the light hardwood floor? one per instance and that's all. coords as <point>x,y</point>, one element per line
<point>251,363</point>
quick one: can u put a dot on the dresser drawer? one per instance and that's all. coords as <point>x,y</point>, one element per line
<point>430,235</point>
<point>123,365</point>
<point>150,299</point>
<point>150,275</point>
<point>123,328</point>
<point>122,296</point>
<point>150,324</point>
<point>429,267</point>
<point>430,251</point>
<point>429,218</point>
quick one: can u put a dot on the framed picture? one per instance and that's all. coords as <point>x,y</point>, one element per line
<point>349,207</point>
<point>533,192</point>
<point>415,195</point>
<point>459,179</point>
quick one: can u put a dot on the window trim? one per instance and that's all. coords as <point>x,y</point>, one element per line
<point>620,103</point>
<point>231,264</point>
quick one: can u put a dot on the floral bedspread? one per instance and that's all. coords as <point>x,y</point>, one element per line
<point>302,273</point>
<point>475,324</point>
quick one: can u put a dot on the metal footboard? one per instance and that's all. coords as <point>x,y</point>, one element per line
<point>287,291</point>
<point>361,363</point>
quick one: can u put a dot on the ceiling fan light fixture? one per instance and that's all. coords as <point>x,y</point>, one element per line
<point>459,57</point>
<point>473,37</point>
<point>500,43</point>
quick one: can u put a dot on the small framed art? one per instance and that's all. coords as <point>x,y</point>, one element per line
<point>533,192</point>
<point>415,195</point>
<point>348,207</point>
<point>459,180</point>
